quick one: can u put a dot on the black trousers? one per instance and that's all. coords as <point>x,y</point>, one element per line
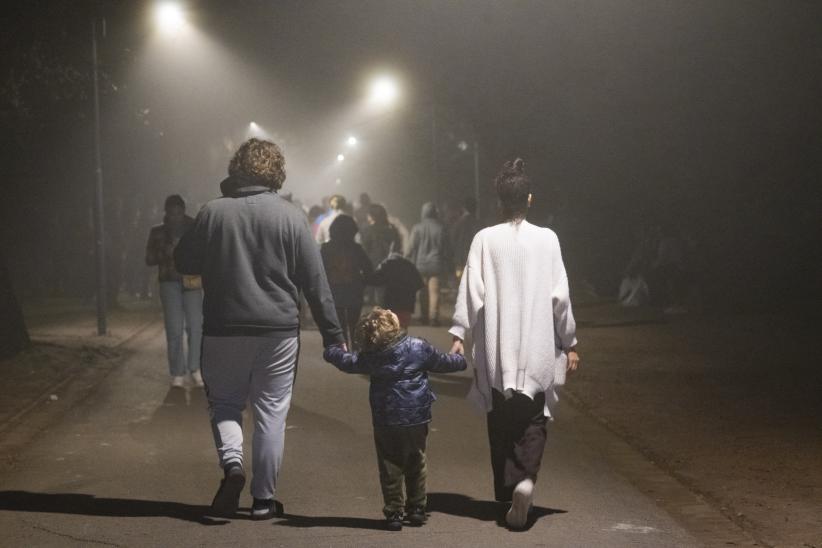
<point>516,434</point>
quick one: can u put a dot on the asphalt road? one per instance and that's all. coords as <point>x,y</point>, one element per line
<point>134,465</point>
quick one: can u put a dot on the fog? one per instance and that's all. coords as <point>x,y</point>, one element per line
<point>704,115</point>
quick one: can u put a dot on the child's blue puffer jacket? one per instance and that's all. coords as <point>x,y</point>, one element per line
<point>400,394</point>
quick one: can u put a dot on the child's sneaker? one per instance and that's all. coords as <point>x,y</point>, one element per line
<point>393,522</point>
<point>416,516</point>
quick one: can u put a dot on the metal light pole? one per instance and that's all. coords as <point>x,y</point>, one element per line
<point>434,163</point>
<point>99,227</point>
<point>477,214</point>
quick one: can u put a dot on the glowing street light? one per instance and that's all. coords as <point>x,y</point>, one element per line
<point>351,141</point>
<point>170,17</point>
<point>340,157</point>
<point>384,91</point>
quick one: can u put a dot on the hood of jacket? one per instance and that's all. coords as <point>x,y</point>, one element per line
<point>429,211</point>
<point>239,185</point>
<point>388,353</point>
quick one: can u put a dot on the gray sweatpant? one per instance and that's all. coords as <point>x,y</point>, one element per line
<point>259,369</point>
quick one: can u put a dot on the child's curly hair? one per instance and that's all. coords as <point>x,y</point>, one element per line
<point>377,330</point>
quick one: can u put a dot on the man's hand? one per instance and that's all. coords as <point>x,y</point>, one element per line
<point>573,360</point>
<point>457,347</point>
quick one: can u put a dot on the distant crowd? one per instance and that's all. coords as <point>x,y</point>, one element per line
<point>369,256</point>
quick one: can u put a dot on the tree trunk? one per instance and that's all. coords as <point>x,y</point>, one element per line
<point>14,336</point>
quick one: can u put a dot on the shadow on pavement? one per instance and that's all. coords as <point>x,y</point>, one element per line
<point>290,520</point>
<point>89,505</point>
<point>484,510</point>
<point>180,406</point>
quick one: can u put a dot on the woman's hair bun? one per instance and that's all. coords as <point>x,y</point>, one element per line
<point>515,166</point>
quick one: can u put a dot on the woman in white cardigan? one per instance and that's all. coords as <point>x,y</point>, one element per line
<point>514,298</point>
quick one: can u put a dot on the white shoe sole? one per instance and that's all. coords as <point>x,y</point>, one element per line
<point>517,516</point>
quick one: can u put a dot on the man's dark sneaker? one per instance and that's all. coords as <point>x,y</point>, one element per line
<point>227,499</point>
<point>416,515</point>
<point>266,509</point>
<point>393,522</point>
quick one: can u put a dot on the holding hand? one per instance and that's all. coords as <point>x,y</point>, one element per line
<point>458,347</point>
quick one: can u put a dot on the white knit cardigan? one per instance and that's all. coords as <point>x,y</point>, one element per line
<point>514,298</point>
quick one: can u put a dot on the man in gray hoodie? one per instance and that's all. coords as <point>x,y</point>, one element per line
<point>255,253</point>
<point>430,252</point>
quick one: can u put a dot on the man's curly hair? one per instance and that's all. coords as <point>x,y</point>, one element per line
<point>377,330</point>
<point>260,160</point>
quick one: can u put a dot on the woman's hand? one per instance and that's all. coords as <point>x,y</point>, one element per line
<point>573,360</point>
<point>457,347</point>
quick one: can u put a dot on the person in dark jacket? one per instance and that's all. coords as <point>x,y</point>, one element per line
<point>181,296</point>
<point>462,233</point>
<point>430,251</point>
<point>347,267</point>
<point>401,281</point>
<point>401,399</point>
<point>255,253</point>
<point>379,239</point>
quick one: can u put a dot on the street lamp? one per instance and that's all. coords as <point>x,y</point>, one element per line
<point>384,91</point>
<point>170,17</point>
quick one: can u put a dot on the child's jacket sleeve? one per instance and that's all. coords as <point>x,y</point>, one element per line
<point>440,362</point>
<point>347,362</point>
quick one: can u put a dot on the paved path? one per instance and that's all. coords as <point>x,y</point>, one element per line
<point>134,465</point>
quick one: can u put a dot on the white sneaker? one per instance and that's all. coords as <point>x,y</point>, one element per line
<point>178,382</point>
<point>197,377</point>
<point>517,516</point>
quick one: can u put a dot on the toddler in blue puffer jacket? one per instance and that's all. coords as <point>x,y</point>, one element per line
<point>401,401</point>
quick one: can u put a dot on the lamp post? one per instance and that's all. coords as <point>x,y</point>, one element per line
<point>170,18</point>
<point>477,213</point>
<point>99,218</point>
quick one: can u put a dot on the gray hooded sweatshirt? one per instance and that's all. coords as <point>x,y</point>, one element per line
<point>430,250</point>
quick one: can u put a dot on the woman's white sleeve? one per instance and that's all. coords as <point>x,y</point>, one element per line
<point>564,324</point>
<point>471,294</point>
